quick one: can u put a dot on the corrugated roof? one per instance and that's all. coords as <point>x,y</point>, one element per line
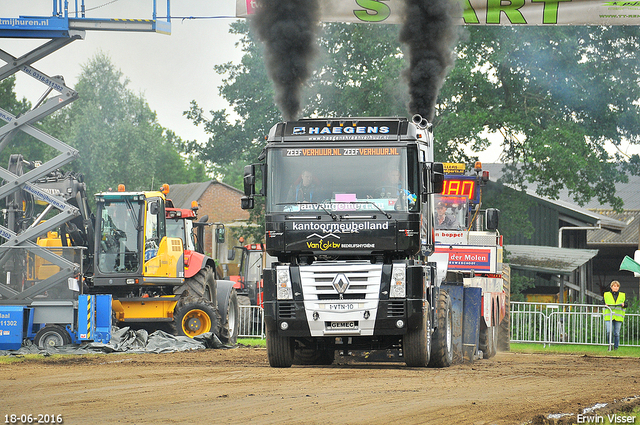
<point>547,259</point>
<point>628,236</point>
<point>182,194</point>
<point>564,204</point>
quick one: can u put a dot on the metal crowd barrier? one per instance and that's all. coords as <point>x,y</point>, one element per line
<point>553,323</point>
<point>251,322</point>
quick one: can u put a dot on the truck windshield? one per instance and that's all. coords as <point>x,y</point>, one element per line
<point>451,212</point>
<point>342,179</point>
<point>119,250</point>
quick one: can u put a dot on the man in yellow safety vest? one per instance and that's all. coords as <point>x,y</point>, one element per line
<point>614,315</point>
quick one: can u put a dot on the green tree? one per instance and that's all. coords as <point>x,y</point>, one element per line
<point>555,95</point>
<point>19,142</point>
<point>118,135</point>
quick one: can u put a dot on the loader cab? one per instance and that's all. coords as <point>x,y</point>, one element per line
<point>131,242</point>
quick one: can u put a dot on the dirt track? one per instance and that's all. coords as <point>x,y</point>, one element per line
<point>238,386</point>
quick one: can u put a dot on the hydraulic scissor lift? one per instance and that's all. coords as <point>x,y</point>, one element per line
<point>17,238</point>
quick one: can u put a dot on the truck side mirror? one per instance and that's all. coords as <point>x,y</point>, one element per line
<point>231,254</point>
<point>438,177</point>
<point>492,218</point>
<point>434,177</point>
<point>249,180</point>
<point>246,203</point>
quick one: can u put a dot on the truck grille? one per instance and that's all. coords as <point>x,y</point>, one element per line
<point>286,310</point>
<point>362,281</point>
<point>395,309</point>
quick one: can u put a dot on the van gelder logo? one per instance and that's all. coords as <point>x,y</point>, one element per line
<point>346,227</point>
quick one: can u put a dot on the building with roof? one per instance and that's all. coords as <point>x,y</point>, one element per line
<point>221,203</point>
<point>592,240</point>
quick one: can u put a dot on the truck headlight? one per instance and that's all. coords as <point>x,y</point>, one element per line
<point>398,281</point>
<point>284,284</point>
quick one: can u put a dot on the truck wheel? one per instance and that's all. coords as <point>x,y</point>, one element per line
<point>488,340</point>
<point>442,345</point>
<point>307,356</point>
<point>203,285</point>
<point>230,319</point>
<point>504,332</point>
<point>280,349</point>
<point>245,315</point>
<point>416,344</point>
<point>52,336</point>
<point>193,317</point>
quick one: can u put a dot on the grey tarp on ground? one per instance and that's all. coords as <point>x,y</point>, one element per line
<point>126,340</point>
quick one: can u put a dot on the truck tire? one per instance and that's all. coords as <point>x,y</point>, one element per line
<point>244,304</point>
<point>230,317</point>
<point>195,316</point>
<point>504,331</point>
<point>202,285</point>
<point>416,344</point>
<point>307,356</point>
<point>280,349</point>
<point>488,340</point>
<point>52,336</point>
<point>442,344</point>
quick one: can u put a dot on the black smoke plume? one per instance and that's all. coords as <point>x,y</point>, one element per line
<point>430,33</point>
<point>288,30</point>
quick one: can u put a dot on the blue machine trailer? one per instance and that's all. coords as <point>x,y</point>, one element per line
<point>54,323</point>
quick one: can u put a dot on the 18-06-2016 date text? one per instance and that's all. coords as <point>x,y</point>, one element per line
<point>33,419</point>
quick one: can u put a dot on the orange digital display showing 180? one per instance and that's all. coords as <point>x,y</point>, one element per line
<point>457,186</point>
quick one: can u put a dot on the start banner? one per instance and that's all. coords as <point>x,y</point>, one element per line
<point>481,12</point>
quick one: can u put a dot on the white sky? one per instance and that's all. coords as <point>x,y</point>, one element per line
<point>168,70</point>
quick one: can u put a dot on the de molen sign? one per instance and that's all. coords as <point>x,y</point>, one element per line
<point>481,12</point>
<point>478,259</point>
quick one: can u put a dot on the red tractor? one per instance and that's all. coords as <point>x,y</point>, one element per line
<point>181,223</point>
<point>248,282</point>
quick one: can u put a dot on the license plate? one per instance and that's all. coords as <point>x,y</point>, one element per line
<point>342,325</point>
<point>341,307</point>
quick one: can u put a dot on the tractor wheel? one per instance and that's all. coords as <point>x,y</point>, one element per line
<point>307,356</point>
<point>52,336</point>
<point>442,344</point>
<point>230,319</point>
<point>195,316</point>
<point>246,323</point>
<point>202,285</point>
<point>416,344</point>
<point>280,349</point>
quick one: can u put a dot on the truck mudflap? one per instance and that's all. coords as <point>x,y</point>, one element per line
<point>466,304</point>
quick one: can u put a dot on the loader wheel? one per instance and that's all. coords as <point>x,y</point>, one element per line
<point>416,344</point>
<point>52,336</point>
<point>246,325</point>
<point>280,349</point>
<point>442,345</point>
<point>193,317</point>
<point>202,285</point>
<point>308,356</point>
